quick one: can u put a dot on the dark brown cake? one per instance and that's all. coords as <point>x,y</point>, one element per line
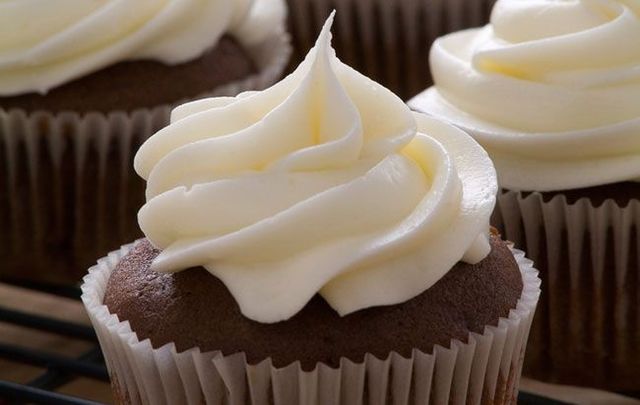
<point>127,86</point>
<point>193,308</point>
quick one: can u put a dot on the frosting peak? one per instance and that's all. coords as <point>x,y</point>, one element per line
<point>44,44</point>
<point>550,88</point>
<point>321,183</point>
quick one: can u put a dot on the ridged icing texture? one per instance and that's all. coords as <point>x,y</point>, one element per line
<point>46,43</point>
<point>324,183</point>
<point>550,88</point>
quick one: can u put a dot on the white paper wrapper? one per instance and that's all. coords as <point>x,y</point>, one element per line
<point>486,369</point>
<point>68,192</point>
<point>587,330</point>
<point>387,40</point>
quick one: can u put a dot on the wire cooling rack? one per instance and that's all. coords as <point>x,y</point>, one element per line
<point>59,370</point>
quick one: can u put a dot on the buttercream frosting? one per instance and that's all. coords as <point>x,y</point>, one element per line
<point>46,43</point>
<point>550,88</point>
<point>324,183</point>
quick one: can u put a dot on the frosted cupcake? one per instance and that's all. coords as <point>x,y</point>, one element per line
<point>386,40</point>
<point>315,242</point>
<point>82,84</point>
<point>552,91</point>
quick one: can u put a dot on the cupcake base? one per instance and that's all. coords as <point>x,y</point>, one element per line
<point>178,308</point>
<point>587,328</point>
<point>481,368</point>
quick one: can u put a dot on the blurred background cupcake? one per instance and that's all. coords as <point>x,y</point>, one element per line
<point>387,40</point>
<point>82,85</point>
<point>314,243</point>
<point>552,91</point>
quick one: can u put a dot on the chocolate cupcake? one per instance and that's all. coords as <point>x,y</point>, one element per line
<point>386,40</point>
<point>81,90</point>
<point>313,243</point>
<point>551,90</point>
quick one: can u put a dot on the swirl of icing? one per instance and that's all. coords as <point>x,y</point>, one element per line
<point>45,43</point>
<point>550,88</point>
<point>324,183</point>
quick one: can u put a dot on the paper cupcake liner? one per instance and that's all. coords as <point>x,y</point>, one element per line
<point>386,40</point>
<point>68,192</point>
<point>484,370</point>
<point>587,330</point>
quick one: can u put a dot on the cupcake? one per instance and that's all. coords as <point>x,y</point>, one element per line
<point>551,90</point>
<point>386,40</point>
<point>315,242</point>
<point>82,85</point>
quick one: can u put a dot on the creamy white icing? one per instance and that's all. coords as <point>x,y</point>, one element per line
<point>46,43</point>
<point>550,88</point>
<point>325,182</point>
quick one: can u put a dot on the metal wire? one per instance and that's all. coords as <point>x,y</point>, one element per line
<point>58,370</point>
<point>19,394</point>
<point>42,323</point>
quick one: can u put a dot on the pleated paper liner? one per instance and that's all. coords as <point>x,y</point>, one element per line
<point>386,40</point>
<point>587,329</point>
<point>68,192</point>
<point>484,370</point>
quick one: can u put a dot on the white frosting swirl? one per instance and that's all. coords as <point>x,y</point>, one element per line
<point>550,88</point>
<point>46,43</point>
<point>319,184</point>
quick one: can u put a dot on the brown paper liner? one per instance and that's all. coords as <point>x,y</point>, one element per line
<point>386,40</point>
<point>587,330</point>
<point>484,370</point>
<point>68,192</point>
